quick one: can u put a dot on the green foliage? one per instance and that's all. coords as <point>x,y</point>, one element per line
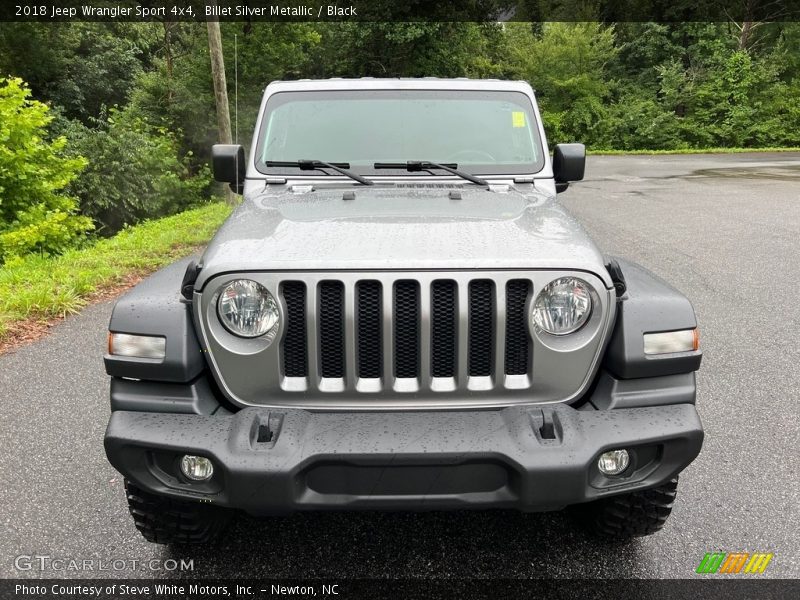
<point>39,287</point>
<point>80,67</point>
<point>706,84</point>
<point>177,93</point>
<point>566,64</point>
<point>383,49</point>
<point>134,171</point>
<point>35,214</point>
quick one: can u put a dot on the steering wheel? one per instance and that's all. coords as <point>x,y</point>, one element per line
<point>465,154</point>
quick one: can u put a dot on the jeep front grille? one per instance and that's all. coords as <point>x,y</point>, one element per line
<point>405,335</point>
<point>390,340</point>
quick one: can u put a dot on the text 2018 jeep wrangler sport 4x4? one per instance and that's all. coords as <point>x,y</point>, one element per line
<point>401,316</point>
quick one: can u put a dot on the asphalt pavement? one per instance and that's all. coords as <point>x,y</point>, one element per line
<point>723,229</point>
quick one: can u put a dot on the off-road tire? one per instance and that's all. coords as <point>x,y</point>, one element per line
<point>620,518</point>
<point>163,520</point>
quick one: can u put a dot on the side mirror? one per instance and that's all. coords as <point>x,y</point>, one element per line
<point>569,163</point>
<point>229,166</point>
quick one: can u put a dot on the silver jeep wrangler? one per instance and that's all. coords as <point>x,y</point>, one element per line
<point>400,316</point>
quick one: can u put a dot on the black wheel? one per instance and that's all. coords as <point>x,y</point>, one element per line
<point>620,518</point>
<point>163,520</point>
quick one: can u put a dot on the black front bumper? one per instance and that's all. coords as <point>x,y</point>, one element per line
<point>530,458</point>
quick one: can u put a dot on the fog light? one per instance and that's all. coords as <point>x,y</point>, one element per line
<point>613,462</point>
<point>197,468</point>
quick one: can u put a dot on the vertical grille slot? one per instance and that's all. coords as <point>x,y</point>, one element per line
<point>331,329</point>
<point>369,316</point>
<point>481,327</point>
<point>517,340</point>
<point>406,329</point>
<point>444,328</point>
<point>295,350</point>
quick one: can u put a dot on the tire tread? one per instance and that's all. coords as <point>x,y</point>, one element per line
<point>164,520</point>
<point>637,514</point>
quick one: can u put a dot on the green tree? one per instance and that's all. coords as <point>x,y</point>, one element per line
<point>80,67</point>
<point>384,49</point>
<point>567,64</point>
<point>179,95</point>
<point>35,214</point>
<point>134,171</point>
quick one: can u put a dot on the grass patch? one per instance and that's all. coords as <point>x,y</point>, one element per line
<point>692,151</point>
<point>39,288</point>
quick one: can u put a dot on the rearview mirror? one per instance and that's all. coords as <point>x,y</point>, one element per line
<point>569,163</point>
<point>229,166</point>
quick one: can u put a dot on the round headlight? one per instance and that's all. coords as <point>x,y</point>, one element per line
<point>247,309</point>
<point>563,306</point>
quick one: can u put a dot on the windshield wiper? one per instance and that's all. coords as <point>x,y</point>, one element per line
<point>318,165</point>
<point>425,165</point>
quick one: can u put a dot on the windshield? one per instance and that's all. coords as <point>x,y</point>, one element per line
<point>481,131</point>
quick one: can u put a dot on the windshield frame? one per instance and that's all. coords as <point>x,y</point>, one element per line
<point>279,98</point>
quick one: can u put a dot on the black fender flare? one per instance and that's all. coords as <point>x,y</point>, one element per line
<point>648,305</point>
<point>156,307</point>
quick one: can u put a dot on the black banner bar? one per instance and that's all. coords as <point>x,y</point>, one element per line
<point>406,10</point>
<point>745,587</point>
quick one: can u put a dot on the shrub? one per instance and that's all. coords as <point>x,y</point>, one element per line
<point>134,171</point>
<point>35,214</point>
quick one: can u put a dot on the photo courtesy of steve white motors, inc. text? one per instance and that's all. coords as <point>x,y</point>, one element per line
<point>170,589</point>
